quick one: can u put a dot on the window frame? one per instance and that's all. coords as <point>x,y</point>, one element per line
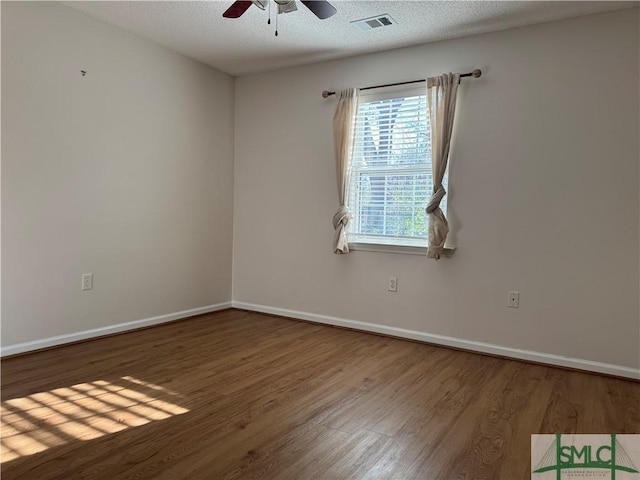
<point>385,243</point>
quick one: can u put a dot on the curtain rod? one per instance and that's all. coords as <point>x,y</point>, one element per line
<point>475,74</point>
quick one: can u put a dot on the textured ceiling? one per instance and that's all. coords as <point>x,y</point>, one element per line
<point>248,44</point>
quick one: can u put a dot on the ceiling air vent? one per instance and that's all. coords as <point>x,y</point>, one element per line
<point>371,23</point>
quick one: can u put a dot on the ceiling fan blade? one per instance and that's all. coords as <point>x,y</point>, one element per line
<point>320,8</point>
<point>237,9</point>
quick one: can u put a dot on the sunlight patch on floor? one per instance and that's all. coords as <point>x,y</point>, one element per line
<point>37,422</point>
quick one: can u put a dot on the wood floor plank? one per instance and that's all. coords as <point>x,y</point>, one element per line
<point>241,395</point>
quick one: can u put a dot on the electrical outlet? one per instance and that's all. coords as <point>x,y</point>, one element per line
<point>393,284</point>
<point>87,281</point>
<point>513,299</point>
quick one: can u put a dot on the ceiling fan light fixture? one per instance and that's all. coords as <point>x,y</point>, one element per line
<point>286,7</point>
<point>320,8</point>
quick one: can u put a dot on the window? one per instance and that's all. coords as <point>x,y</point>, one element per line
<point>390,170</point>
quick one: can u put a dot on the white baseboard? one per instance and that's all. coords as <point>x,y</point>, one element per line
<point>99,332</point>
<point>532,356</point>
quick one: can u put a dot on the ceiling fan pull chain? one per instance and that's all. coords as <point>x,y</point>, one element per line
<point>269,21</point>
<point>277,24</point>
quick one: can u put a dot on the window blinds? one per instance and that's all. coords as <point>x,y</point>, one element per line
<point>390,176</point>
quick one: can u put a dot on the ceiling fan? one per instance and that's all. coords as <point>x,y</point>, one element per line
<point>320,8</point>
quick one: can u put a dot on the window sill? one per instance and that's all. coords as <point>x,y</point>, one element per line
<point>380,248</point>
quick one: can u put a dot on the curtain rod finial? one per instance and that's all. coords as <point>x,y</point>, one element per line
<point>327,93</point>
<point>476,73</point>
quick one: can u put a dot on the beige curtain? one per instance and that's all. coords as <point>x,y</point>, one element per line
<point>441,94</point>
<point>343,138</point>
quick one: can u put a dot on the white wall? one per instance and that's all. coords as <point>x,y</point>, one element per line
<point>126,173</point>
<point>543,193</point>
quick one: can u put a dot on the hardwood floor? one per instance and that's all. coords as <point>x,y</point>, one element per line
<point>242,395</point>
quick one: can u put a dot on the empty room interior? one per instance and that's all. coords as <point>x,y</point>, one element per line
<point>320,240</point>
